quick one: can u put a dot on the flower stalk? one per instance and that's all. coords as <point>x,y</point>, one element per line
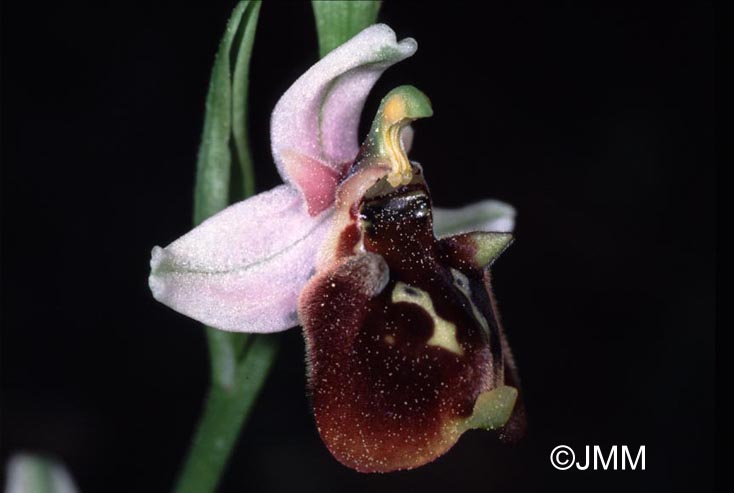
<point>226,410</point>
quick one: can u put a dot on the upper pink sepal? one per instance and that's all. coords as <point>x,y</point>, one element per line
<point>317,119</point>
<point>242,269</point>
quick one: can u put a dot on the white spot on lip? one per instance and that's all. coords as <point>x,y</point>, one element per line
<point>444,332</point>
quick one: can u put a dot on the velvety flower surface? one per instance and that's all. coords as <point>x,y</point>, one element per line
<point>405,347</point>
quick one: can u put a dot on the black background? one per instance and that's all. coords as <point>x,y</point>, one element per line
<point>596,124</point>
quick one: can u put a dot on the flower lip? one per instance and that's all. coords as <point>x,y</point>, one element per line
<point>398,374</point>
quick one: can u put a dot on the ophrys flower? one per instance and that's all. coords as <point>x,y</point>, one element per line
<point>404,344</point>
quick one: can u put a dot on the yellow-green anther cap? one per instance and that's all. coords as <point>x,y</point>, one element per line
<point>398,109</point>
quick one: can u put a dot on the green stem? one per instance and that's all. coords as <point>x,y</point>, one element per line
<point>227,408</point>
<point>226,349</point>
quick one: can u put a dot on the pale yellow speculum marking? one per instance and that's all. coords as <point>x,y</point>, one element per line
<point>394,117</point>
<point>444,332</point>
<point>390,339</point>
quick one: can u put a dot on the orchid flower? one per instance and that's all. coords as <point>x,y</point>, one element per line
<point>405,349</point>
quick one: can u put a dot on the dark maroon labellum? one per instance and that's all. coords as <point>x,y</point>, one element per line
<point>403,335</point>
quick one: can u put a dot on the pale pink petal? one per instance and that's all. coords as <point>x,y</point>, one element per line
<point>317,119</point>
<point>316,180</point>
<point>242,269</point>
<point>487,215</point>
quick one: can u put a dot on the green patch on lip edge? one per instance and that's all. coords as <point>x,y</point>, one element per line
<point>492,409</point>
